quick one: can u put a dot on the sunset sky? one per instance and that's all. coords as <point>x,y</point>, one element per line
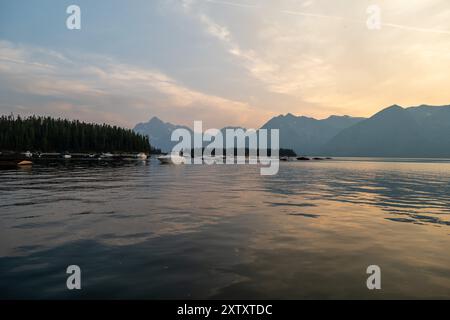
<point>223,62</point>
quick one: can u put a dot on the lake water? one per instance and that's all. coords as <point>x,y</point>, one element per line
<point>152,231</point>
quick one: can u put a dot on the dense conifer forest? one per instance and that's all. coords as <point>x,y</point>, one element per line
<point>46,134</point>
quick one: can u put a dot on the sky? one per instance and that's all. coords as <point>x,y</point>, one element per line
<point>227,63</point>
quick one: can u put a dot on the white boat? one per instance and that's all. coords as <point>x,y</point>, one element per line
<point>172,159</point>
<point>141,156</point>
<point>107,155</point>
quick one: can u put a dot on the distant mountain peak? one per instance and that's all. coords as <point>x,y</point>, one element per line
<point>306,135</point>
<point>394,107</point>
<point>392,110</point>
<point>338,117</point>
<point>395,131</point>
<point>155,119</point>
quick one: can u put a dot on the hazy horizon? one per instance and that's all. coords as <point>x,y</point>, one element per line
<point>190,125</point>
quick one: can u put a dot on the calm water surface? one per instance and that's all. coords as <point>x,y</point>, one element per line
<point>151,231</point>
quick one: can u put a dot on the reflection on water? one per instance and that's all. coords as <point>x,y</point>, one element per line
<point>151,231</point>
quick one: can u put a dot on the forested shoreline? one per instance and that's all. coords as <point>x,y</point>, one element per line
<point>46,134</point>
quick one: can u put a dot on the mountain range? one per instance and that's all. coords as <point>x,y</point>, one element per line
<point>305,135</point>
<point>159,133</point>
<point>422,131</point>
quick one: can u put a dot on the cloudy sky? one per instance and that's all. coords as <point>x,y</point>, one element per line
<point>224,62</point>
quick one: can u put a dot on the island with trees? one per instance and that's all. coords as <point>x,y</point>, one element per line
<point>36,137</point>
<point>46,134</point>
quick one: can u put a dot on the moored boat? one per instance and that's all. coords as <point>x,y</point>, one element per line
<point>25,163</point>
<point>172,159</point>
<point>13,160</point>
<point>141,156</point>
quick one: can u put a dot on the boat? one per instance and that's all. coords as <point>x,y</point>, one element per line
<point>141,156</point>
<point>14,163</point>
<point>172,159</point>
<point>14,160</point>
<point>48,156</point>
<point>25,163</point>
<point>107,155</point>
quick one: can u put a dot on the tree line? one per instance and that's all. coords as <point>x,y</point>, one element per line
<point>46,134</point>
